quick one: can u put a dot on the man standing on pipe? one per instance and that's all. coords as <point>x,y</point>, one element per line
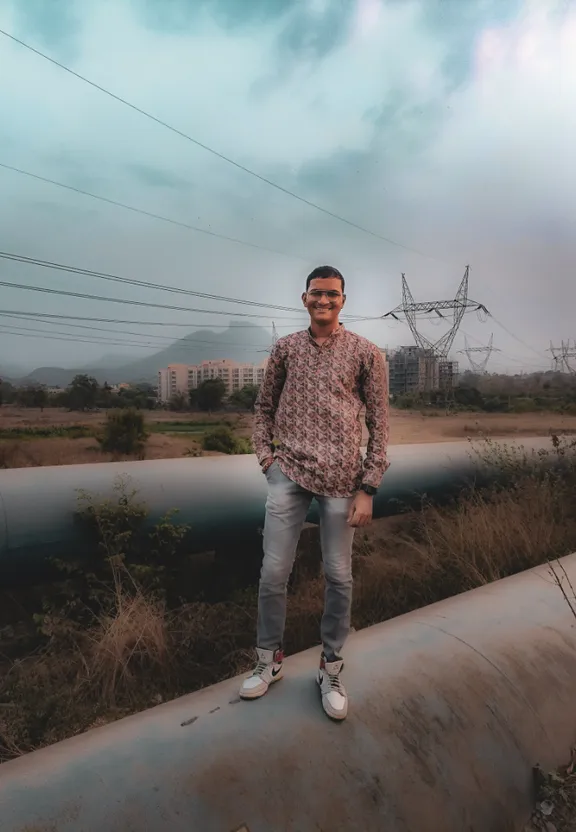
<point>307,437</point>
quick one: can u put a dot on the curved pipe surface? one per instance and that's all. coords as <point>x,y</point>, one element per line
<point>221,498</point>
<point>451,707</point>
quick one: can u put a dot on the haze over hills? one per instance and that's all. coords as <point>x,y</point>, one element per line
<point>240,342</point>
<point>9,370</point>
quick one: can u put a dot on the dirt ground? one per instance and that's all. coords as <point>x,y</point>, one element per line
<point>405,428</point>
<point>14,417</point>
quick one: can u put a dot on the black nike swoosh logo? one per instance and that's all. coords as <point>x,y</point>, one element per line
<point>276,672</point>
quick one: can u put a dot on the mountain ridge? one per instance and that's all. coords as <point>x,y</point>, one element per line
<point>245,344</point>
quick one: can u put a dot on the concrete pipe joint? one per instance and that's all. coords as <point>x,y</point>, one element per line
<point>221,498</point>
<point>451,706</point>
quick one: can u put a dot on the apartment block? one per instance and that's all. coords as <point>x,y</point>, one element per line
<point>181,378</point>
<point>414,370</point>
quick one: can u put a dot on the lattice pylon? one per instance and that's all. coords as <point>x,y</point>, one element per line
<point>458,306</point>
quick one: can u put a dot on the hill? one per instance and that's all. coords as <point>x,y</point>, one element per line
<point>240,342</point>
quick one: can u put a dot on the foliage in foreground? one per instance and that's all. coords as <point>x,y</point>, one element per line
<point>132,627</point>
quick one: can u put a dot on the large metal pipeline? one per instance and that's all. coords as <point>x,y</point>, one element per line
<point>221,498</point>
<point>450,708</point>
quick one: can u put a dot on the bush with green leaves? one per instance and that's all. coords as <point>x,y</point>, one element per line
<point>122,548</point>
<point>124,433</point>
<point>224,440</point>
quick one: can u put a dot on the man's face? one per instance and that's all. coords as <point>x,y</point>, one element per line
<point>324,299</point>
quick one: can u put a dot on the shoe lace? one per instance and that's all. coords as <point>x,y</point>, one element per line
<point>260,668</point>
<point>335,682</point>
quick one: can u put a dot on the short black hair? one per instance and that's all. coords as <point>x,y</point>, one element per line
<point>323,272</point>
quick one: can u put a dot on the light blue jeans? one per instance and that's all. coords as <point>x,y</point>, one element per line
<point>286,509</point>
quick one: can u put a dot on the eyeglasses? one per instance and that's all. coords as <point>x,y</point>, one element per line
<point>331,294</point>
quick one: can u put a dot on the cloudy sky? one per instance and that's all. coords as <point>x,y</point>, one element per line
<point>442,126</point>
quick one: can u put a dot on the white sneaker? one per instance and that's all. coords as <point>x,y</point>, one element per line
<point>267,671</point>
<point>334,696</point>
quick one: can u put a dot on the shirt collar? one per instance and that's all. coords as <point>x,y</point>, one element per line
<point>331,337</point>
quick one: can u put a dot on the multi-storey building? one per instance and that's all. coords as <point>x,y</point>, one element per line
<point>414,370</point>
<point>181,378</point>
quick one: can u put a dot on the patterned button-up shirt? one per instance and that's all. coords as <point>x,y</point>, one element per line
<point>308,412</point>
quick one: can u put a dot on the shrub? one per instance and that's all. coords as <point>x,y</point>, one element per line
<point>124,433</point>
<point>224,440</point>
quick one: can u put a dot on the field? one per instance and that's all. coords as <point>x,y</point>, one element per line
<point>29,437</point>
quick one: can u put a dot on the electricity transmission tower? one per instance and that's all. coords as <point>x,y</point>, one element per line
<point>563,356</point>
<point>412,312</point>
<point>275,337</point>
<point>479,366</point>
<point>557,362</point>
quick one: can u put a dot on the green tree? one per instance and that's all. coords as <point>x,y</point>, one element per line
<point>83,393</point>
<point>124,432</point>
<point>468,396</point>
<point>211,394</point>
<point>245,398</point>
<point>7,392</point>
<point>141,396</point>
<point>58,399</point>
<point>33,396</point>
<point>105,397</point>
<point>40,397</point>
<point>178,402</point>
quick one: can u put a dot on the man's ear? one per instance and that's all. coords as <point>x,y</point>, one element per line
<point>304,295</point>
<point>343,299</point>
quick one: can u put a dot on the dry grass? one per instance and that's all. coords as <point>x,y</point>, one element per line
<point>32,453</point>
<point>137,652</point>
<point>485,538</point>
<point>13,417</point>
<point>405,427</point>
<point>134,635</point>
<point>57,450</point>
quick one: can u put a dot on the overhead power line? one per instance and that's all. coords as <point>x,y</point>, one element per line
<point>47,264</point>
<point>145,213</point>
<point>516,338</point>
<point>149,305</point>
<point>507,355</point>
<point>212,151</point>
<point>71,338</point>
<point>163,338</point>
<point>19,313</point>
<point>20,331</point>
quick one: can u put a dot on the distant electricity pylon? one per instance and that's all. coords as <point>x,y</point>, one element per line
<point>413,311</point>
<point>275,337</point>
<point>563,356</point>
<point>479,366</point>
